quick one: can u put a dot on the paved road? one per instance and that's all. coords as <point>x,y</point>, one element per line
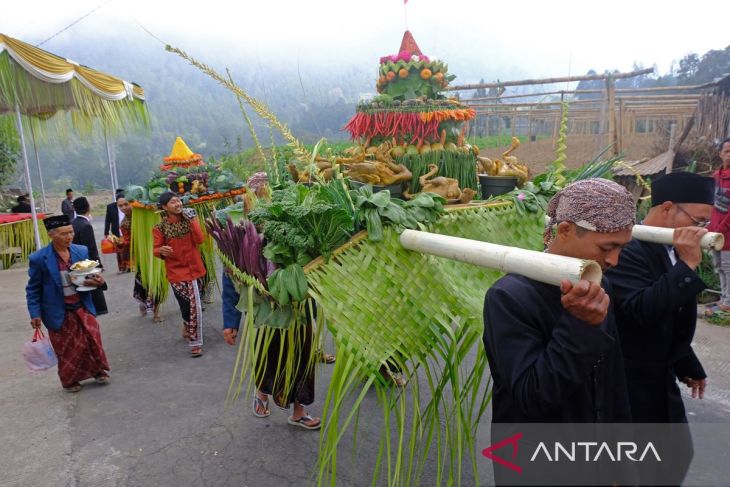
<point>162,421</point>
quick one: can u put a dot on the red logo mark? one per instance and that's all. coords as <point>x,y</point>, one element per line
<point>487,452</point>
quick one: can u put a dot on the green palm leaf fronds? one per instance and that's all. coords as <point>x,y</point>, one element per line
<point>150,268</point>
<point>422,315</point>
<point>19,235</point>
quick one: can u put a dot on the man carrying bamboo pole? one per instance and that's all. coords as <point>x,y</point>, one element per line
<point>553,351</point>
<point>656,288</point>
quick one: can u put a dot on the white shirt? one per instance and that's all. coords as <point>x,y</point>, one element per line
<point>672,254</point>
<point>121,215</point>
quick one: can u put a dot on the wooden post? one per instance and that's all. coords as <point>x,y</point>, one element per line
<point>670,165</point>
<point>622,126</point>
<point>611,96</point>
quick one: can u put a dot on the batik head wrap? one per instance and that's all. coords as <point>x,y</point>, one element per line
<point>595,204</point>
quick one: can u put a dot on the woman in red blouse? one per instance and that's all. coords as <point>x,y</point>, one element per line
<point>176,241</point>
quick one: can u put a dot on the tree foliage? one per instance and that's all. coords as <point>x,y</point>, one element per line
<point>9,149</point>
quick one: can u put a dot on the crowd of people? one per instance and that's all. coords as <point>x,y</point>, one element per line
<point>575,353</point>
<point>176,241</point>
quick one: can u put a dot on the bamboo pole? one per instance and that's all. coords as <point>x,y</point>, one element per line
<point>540,266</point>
<point>665,236</point>
<point>535,104</point>
<point>611,106</point>
<point>691,96</point>
<point>621,126</point>
<point>586,92</point>
<point>564,79</point>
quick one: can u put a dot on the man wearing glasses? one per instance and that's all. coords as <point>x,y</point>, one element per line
<point>655,291</point>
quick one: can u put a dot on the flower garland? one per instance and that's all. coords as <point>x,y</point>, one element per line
<point>171,165</point>
<point>206,197</point>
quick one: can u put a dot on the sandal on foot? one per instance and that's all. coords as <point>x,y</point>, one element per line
<point>399,380</point>
<point>327,358</point>
<point>102,378</point>
<point>73,388</point>
<point>711,309</point>
<point>261,405</point>
<point>196,352</point>
<point>307,422</point>
<point>143,310</point>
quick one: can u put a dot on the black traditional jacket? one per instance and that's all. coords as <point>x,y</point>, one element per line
<point>548,366</point>
<point>656,314</point>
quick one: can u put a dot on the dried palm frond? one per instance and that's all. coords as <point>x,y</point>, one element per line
<point>259,107</point>
<point>250,126</point>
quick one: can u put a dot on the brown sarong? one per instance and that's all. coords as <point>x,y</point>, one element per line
<point>78,347</point>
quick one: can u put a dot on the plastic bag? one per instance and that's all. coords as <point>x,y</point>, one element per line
<point>38,353</point>
<point>108,247</point>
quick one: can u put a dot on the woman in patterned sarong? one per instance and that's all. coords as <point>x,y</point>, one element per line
<point>176,241</point>
<point>68,314</point>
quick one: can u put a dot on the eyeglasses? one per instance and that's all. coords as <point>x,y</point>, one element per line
<point>695,221</point>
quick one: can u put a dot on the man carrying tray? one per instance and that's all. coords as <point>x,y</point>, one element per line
<point>68,314</point>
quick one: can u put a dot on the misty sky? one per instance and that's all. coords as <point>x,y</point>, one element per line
<point>508,38</point>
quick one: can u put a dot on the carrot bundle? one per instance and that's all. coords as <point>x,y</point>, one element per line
<point>420,126</point>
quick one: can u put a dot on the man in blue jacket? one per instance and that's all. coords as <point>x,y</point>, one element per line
<point>68,314</point>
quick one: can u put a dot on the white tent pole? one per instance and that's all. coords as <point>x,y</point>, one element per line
<point>19,123</point>
<point>109,160</point>
<point>114,165</point>
<point>44,204</point>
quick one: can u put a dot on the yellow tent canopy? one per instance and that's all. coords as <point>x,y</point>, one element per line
<point>38,83</point>
<point>41,83</point>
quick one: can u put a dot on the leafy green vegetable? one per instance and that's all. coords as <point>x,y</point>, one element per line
<point>288,284</point>
<point>303,222</point>
<point>135,193</point>
<point>377,209</point>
